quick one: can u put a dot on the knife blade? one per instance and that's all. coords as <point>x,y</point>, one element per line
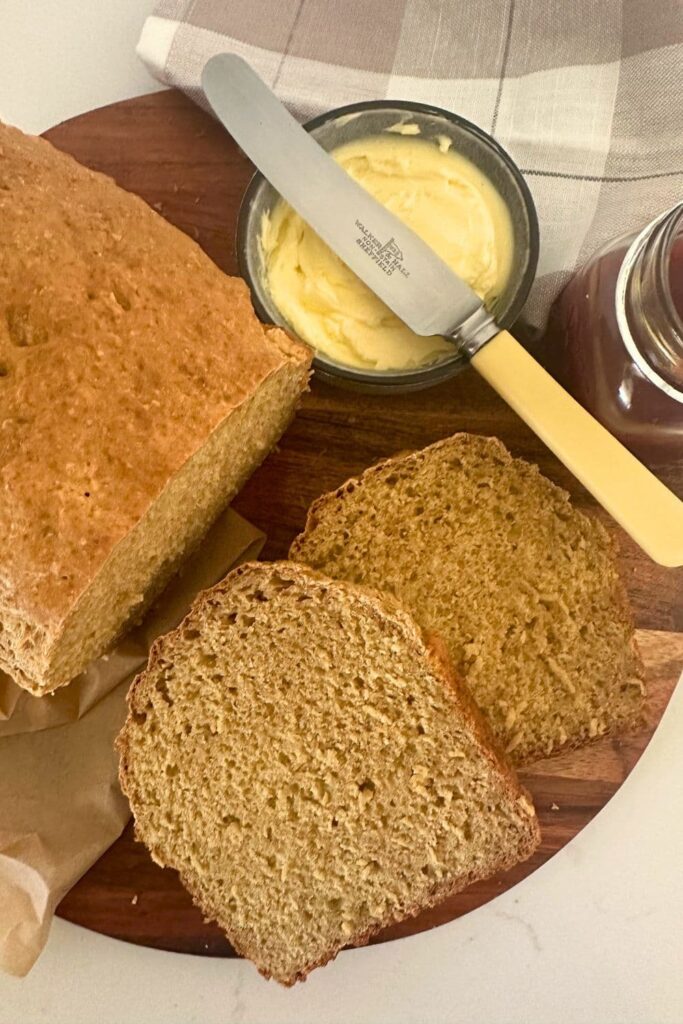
<point>394,262</point>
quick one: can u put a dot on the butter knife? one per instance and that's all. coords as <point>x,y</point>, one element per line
<point>430,298</point>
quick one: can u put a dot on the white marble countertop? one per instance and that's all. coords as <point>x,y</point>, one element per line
<point>593,937</point>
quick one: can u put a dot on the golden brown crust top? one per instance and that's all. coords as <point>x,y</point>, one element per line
<point>122,346</point>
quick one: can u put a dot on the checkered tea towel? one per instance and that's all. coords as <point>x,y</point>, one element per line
<point>584,94</point>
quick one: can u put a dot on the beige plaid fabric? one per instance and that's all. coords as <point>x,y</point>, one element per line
<point>584,94</point>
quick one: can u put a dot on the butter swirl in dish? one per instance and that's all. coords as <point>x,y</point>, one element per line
<point>445,178</point>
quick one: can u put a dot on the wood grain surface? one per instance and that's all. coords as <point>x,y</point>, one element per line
<point>175,157</point>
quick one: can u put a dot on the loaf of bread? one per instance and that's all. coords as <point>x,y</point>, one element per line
<point>312,767</point>
<point>138,391</point>
<point>522,587</point>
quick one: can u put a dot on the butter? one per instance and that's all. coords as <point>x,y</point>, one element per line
<point>442,196</point>
<point>404,128</point>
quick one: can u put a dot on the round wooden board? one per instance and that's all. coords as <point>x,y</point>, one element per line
<point>183,164</point>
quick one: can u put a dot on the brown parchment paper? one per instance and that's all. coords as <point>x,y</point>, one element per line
<point>60,802</point>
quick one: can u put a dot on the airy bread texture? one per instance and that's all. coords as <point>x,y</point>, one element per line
<point>522,587</point>
<point>312,767</point>
<point>138,392</point>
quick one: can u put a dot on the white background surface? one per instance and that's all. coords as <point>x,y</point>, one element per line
<point>594,937</point>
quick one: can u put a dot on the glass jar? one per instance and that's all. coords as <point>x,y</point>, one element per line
<point>615,338</point>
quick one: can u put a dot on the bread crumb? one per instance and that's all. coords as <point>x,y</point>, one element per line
<point>526,806</point>
<point>514,742</point>
<point>134,900</point>
<point>554,807</point>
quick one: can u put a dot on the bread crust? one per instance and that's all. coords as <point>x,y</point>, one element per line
<point>385,609</point>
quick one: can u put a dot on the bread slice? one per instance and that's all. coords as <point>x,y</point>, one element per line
<point>312,767</point>
<point>138,392</point>
<point>522,587</point>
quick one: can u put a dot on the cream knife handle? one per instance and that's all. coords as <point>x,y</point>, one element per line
<point>646,509</point>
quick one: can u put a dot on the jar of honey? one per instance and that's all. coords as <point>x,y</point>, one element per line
<point>615,339</point>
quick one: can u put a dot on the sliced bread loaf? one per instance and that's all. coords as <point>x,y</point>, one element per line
<point>138,392</point>
<point>312,767</point>
<point>522,587</point>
